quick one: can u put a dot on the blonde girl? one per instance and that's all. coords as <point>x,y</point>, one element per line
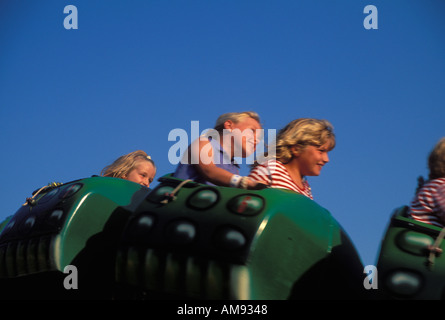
<point>136,166</point>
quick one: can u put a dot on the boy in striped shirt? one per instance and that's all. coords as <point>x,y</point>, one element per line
<point>301,150</point>
<point>428,205</point>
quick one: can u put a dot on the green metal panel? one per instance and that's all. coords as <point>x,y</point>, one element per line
<point>4,223</point>
<point>218,242</point>
<point>403,268</point>
<point>205,242</point>
<point>60,227</point>
<point>72,224</point>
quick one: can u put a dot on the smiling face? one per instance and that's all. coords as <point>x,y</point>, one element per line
<point>142,173</point>
<point>311,159</point>
<point>245,135</point>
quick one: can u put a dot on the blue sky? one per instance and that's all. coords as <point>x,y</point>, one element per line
<point>71,101</point>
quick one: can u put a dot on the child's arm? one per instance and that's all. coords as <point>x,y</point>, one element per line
<point>211,172</point>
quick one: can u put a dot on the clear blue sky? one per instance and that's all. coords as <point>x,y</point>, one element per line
<point>71,101</point>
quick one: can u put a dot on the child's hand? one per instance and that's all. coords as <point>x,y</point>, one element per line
<point>256,185</point>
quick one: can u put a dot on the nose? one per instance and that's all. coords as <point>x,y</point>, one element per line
<point>258,136</point>
<point>145,183</point>
<point>325,158</point>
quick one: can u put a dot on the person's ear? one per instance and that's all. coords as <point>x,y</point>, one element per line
<point>228,125</point>
<point>295,151</point>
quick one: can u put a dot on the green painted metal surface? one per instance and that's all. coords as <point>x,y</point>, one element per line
<point>202,242</point>
<point>227,243</point>
<point>404,269</point>
<point>73,224</point>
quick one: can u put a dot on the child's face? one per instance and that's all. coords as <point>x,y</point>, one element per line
<point>142,173</point>
<point>246,136</point>
<point>311,159</point>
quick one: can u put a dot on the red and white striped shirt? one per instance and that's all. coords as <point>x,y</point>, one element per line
<point>428,205</point>
<point>277,176</point>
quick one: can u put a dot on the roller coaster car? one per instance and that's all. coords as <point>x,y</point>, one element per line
<point>77,223</point>
<point>410,264</point>
<point>179,240</point>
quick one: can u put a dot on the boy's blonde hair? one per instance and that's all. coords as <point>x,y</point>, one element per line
<point>124,164</point>
<point>301,133</point>
<point>436,160</point>
<point>235,117</point>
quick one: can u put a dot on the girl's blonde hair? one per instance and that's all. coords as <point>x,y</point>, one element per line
<point>436,160</point>
<point>124,164</point>
<point>301,133</point>
<point>235,117</point>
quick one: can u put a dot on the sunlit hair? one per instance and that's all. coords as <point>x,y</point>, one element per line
<point>235,117</point>
<point>124,164</point>
<point>301,133</point>
<point>436,160</point>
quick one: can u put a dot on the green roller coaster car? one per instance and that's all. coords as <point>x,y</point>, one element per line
<point>179,240</point>
<point>410,264</point>
<point>77,223</point>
